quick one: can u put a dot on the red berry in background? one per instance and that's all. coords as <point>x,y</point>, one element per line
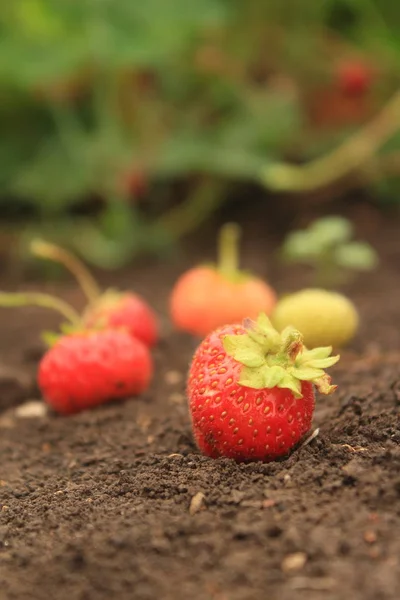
<point>354,77</point>
<point>207,297</point>
<point>87,369</point>
<point>251,391</point>
<point>135,183</point>
<point>127,310</point>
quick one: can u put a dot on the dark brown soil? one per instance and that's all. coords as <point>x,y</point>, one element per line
<point>97,506</point>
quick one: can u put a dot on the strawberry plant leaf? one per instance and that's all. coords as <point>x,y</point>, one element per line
<point>316,353</point>
<point>324,363</point>
<point>273,376</point>
<point>306,374</point>
<point>331,230</point>
<point>292,384</point>
<point>252,378</point>
<point>233,343</point>
<point>356,255</point>
<point>249,358</point>
<point>50,337</point>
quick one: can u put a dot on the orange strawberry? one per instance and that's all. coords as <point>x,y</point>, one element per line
<point>207,297</point>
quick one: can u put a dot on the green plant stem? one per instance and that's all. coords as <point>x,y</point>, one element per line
<point>228,251</point>
<point>350,156</point>
<point>11,300</point>
<point>84,278</point>
<point>182,219</point>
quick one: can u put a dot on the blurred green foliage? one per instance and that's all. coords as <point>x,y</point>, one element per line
<point>327,246</point>
<point>112,101</point>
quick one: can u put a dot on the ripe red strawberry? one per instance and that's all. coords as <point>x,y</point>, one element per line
<point>207,297</point>
<point>251,391</point>
<point>111,308</point>
<point>127,310</point>
<point>83,370</point>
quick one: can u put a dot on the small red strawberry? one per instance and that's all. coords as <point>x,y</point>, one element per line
<point>110,308</point>
<point>209,296</point>
<point>251,393</point>
<point>86,369</point>
<point>130,311</point>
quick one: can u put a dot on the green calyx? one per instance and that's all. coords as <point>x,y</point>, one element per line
<point>109,299</point>
<point>73,321</point>
<point>50,338</point>
<point>272,359</point>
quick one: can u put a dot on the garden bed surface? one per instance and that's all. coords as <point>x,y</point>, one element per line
<point>97,505</point>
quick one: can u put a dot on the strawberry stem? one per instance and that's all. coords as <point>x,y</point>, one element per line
<point>43,300</point>
<point>228,252</point>
<point>351,155</point>
<point>84,278</point>
<point>272,359</point>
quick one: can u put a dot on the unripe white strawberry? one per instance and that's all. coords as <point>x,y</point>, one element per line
<point>324,318</point>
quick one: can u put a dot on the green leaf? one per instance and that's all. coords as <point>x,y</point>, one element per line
<point>249,358</point>
<point>67,328</point>
<point>323,363</point>
<point>232,343</point>
<point>291,384</point>
<point>317,358</point>
<point>316,353</point>
<point>273,376</point>
<point>264,334</point>
<point>331,230</point>
<point>252,378</point>
<point>356,255</point>
<point>306,373</point>
<point>264,323</point>
<point>300,245</point>
<point>244,350</point>
<point>50,337</point>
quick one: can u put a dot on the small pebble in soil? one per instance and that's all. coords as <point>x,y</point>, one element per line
<point>374,517</point>
<point>370,537</point>
<point>375,552</point>
<point>316,583</point>
<point>173,377</point>
<point>6,422</point>
<point>144,421</point>
<point>31,410</point>
<point>196,503</point>
<point>354,469</point>
<point>294,562</point>
<point>251,504</point>
<point>176,398</point>
<point>237,496</point>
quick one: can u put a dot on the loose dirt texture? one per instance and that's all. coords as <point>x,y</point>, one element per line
<point>118,503</point>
